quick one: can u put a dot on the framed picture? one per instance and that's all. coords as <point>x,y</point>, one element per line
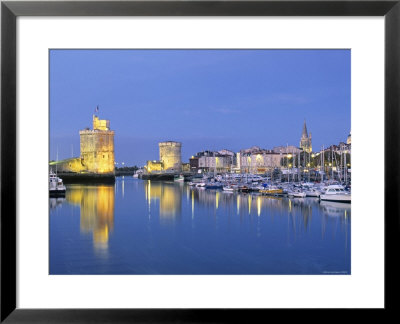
<point>183,172</point>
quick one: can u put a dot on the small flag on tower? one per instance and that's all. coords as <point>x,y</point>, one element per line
<point>97,109</point>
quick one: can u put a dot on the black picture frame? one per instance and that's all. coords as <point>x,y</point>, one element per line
<point>10,10</point>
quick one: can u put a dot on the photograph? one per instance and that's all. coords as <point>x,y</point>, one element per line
<point>200,161</point>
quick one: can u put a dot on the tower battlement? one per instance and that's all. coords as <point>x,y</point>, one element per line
<point>100,124</point>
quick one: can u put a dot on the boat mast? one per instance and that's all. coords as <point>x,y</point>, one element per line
<point>291,171</point>
<point>322,164</point>
<point>298,167</point>
<point>345,169</point>
<point>287,161</point>
<point>56,159</point>
<point>333,178</point>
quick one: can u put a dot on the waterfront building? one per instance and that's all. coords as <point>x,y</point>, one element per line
<point>305,141</point>
<point>237,168</point>
<point>227,152</point>
<point>96,151</point>
<point>210,161</point>
<point>339,148</point>
<point>256,160</point>
<point>194,163</point>
<point>288,149</point>
<point>185,167</point>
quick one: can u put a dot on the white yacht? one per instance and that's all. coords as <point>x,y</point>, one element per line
<point>56,185</point>
<point>312,192</point>
<point>336,193</point>
<point>297,194</point>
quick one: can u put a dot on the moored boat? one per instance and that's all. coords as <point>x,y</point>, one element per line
<point>56,185</point>
<point>297,194</point>
<point>244,189</point>
<point>214,185</point>
<point>179,178</point>
<point>313,193</point>
<point>336,193</point>
<point>230,188</point>
<point>272,191</point>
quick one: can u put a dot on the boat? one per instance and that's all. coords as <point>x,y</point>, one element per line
<point>313,192</point>
<point>195,182</point>
<point>297,194</point>
<point>56,185</point>
<point>336,193</point>
<point>244,189</point>
<point>214,185</point>
<point>179,178</point>
<point>136,175</point>
<point>255,187</point>
<point>271,191</point>
<point>230,188</point>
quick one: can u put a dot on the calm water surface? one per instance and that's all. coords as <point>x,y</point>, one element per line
<point>143,227</point>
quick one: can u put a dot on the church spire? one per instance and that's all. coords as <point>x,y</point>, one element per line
<point>305,133</point>
<point>305,140</point>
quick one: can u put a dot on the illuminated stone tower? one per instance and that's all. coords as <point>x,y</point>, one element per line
<point>170,155</point>
<point>97,147</point>
<point>305,141</point>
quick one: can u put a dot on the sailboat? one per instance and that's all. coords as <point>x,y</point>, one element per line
<point>56,185</point>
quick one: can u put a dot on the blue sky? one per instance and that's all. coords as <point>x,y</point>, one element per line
<point>206,99</point>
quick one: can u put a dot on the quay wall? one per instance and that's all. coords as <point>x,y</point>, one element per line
<point>87,178</point>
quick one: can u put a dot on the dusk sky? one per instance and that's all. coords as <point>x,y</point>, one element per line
<point>206,99</point>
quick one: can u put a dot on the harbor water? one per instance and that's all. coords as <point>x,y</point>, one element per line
<point>158,227</point>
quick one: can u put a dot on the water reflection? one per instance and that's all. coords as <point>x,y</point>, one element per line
<point>259,205</point>
<point>168,195</point>
<point>208,232</point>
<point>96,211</point>
<point>56,202</point>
